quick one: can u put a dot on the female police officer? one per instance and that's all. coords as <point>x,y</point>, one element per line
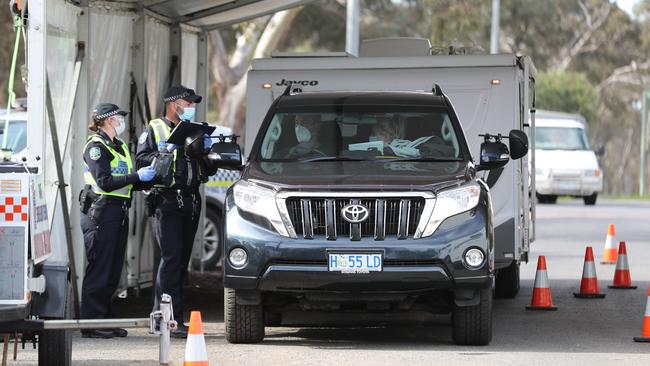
<point>105,201</point>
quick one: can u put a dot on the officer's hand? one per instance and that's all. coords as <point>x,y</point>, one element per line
<point>207,142</point>
<point>146,174</point>
<point>171,147</point>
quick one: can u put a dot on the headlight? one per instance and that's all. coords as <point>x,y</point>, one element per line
<point>450,203</point>
<point>474,258</point>
<point>259,201</point>
<point>593,173</point>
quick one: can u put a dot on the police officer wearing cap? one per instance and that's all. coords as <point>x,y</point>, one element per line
<point>109,178</point>
<point>176,205</point>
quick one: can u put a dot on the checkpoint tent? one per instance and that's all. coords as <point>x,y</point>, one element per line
<point>125,52</point>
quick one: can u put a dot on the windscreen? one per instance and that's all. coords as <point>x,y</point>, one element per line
<point>13,136</point>
<point>560,138</point>
<point>361,133</point>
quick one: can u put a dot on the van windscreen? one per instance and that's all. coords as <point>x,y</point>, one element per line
<point>361,133</point>
<point>560,138</point>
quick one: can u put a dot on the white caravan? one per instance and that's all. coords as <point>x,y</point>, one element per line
<point>490,93</point>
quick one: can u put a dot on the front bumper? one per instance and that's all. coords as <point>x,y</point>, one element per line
<point>581,186</point>
<point>276,263</point>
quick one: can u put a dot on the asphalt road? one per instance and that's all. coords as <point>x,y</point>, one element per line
<point>581,332</point>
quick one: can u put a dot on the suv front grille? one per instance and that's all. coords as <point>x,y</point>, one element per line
<point>389,217</point>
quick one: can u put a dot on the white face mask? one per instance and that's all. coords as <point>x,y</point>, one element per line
<point>121,126</point>
<point>302,134</point>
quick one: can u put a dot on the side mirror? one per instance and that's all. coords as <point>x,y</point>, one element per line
<point>494,154</point>
<point>518,144</point>
<point>225,155</point>
<point>600,152</point>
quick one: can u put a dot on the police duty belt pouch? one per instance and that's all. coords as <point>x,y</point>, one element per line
<point>163,165</point>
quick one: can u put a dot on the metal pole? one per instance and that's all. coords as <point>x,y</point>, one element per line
<point>494,35</point>
<point>352,28</point>
<point>644,142</point>
<point>167,323</point>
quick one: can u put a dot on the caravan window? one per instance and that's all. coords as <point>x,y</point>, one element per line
<point>360,132</point>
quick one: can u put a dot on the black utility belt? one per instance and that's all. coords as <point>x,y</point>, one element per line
<point>111,200</point>
<point>183,192</point>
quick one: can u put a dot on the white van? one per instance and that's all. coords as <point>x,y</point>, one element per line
<point>565,165</point>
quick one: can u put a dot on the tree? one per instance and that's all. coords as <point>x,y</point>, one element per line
<point>254,39</point>
<point>6,51</point>
<point>566,92</point>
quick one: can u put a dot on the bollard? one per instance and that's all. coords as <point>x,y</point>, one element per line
<point>162,322</point>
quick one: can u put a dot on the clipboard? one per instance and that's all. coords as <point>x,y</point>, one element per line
<point>185,129</point>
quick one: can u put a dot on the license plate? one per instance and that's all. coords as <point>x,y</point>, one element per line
<point>355,262</point>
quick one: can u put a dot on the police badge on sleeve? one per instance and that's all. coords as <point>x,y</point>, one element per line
<point>95,153</point>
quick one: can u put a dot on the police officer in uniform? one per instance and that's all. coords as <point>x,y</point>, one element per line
<point>109,177</point>
<point>176,204</point>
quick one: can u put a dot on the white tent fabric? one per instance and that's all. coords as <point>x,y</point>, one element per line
<point>157,36</point>
<point>189,53</point>
<point>61,54</point>
<point>109,56</point>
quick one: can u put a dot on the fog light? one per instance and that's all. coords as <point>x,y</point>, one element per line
<point>474,257</point>
<point>238,257</point>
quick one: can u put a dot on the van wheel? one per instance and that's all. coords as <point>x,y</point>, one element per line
<point>244,323</point>
<point>506,284</point>
<point>590,200</point>
<point>472,325</point>
<point>55,346</point>
<point>546,198</point>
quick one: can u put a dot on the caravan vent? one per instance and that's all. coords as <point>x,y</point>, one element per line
<point>395,47</point>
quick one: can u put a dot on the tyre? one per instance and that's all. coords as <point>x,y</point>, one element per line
<point>506,284</point>
<point>590,200</point>
<point>212,244</point>
<point>55,346</point>
<point>472,325</point>
<point>244,323</point>
<point>546,198</point>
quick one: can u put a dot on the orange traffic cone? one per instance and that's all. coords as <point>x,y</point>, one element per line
<point>609,255</point>
<point>645,332</point>
<point>195,352</point>
<point>542,290</point>
<point>622,279</point>
<point>589,284</point>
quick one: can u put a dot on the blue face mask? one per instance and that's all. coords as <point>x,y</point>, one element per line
<point>188,114</point>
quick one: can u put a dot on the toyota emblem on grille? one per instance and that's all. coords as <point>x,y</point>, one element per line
<point>354,213</point>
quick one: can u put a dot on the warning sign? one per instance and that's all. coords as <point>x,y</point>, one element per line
<point>39,223</point>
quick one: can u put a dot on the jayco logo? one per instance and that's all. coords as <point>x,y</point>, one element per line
<point>286,82</point>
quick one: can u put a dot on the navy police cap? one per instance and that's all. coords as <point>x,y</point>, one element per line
<point>180,92</point>
<point>105,110</point>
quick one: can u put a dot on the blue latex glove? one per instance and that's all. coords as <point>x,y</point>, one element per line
<point>171,147</point>
<point>146,174</point>
<point>207,142</point>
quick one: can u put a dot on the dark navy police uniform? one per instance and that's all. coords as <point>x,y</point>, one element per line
<point>110,176</point>
<point>176,207</point>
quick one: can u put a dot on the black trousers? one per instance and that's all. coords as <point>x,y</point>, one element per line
<point>105,242</point>
<point>177,219</point>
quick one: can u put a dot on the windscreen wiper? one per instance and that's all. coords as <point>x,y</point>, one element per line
<point>429,159</point>
<point>331,158</point>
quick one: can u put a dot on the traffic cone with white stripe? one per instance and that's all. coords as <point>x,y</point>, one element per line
<point>542,290</point>
<point>195,351</point>
<point>622,279</point>
<point>589,284</point>
<point>609,255</point>
<point>645,332</point>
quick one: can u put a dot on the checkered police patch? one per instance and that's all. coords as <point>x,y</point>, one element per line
<point>95,153</point>
<point>143,138</point>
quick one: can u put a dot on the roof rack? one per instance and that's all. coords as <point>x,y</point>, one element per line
<point>437,91</point>
<point>290,90</point>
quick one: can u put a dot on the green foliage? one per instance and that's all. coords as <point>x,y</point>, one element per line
<point>566,92</point>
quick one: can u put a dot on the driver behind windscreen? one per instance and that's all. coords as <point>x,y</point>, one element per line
<point>307,129</point>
